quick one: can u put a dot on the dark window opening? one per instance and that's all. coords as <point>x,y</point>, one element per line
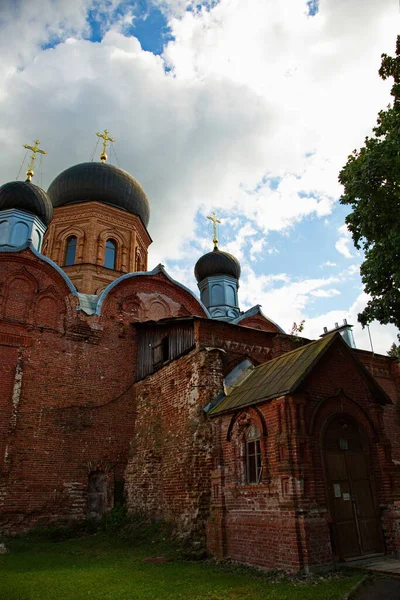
<point>110,254</point>
<point>119,492</point>
<point>70,251</point>
<point>253,456</point>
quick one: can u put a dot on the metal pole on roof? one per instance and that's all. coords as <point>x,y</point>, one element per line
<point>370,339</point>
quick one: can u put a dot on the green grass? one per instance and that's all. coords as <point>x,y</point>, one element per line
<point>106,567</point>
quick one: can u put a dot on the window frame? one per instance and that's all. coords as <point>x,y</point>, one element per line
<point>114,248</point>
<point>254,467</point>
<point>70,246</point>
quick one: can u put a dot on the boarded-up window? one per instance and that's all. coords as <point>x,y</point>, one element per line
<point>161,352</point>
<point>96,494</point>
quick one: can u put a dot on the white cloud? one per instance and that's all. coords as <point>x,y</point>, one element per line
<point>353,269</point>
<point>325,293</point>
<point>256,117</point>
<point>286,300</point>
<point>343,247</point>
<point>328,263</point>
<point>257,248</point>
<point>255,87</point>
<point>382,335</point>
<point>344,243</point>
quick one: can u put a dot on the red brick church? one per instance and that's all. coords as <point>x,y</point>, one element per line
<point>118,385</point>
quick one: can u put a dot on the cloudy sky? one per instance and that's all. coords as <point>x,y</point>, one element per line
<point>246,107</point>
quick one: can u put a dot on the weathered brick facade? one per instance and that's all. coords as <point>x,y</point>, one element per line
<point>110,397</point>
<point>285,522</point>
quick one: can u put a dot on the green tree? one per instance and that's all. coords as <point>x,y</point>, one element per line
<point>394,351</point>
<point>371,180</point>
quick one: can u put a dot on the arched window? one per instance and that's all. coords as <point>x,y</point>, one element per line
<point>110,254</point>
<point>253,455</point>
<point>217,294</point>
<point>70,251</point>
<point>20,233</point>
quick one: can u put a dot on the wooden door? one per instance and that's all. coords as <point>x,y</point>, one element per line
<point>96,494</point>
<point>351,495</point>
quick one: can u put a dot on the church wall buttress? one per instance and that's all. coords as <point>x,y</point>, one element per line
<point>168,474</point>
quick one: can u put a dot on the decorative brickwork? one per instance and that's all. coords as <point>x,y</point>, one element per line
<point>77,426</point>
<point>285,520</point>
<point>93,224</point>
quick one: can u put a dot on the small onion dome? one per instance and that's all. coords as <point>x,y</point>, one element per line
<point>25,196</point>
<point>100,182</point>
<point>216,263</point>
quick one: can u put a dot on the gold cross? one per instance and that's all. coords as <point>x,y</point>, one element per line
<point>106,138</point>
<point>214,220</point>
<point>35,149</point>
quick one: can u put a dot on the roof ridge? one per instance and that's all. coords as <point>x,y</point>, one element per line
<point>281,375</point>
<point>285,354</point>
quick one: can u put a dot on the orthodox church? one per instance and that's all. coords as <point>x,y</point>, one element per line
<point>119,385</point>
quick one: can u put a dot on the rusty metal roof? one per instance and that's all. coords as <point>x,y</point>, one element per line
<point>282,376</point>
<point>275,378</point>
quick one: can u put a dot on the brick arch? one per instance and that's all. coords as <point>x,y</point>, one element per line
<point>237,435</point>
<point>49,309</point>
<point>328,408</point>
<point>17,296</point>
<point>148,289</point>
<point>121,250</point>
<point>244,418</point>
<point>61,247</point>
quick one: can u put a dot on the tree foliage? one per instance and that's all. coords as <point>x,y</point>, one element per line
<point>371,180</point>
<point>394,351</point>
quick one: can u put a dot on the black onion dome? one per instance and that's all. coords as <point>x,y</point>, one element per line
<point>25,196</point>
<point>217,263</point>
<point>102,182</point>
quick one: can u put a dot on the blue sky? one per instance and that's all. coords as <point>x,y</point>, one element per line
<point>145,21</point>
<point>246,107</point>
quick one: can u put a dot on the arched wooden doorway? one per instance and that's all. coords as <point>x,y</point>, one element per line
<point>351,492</point>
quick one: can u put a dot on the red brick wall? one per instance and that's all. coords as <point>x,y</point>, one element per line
<point>237,341</point>
<point>261,524</point>
<point>168,474</point>
<point>283,522</point>
<point>386,371</point>
<point>70,405</point>
<point>143,298</point>
<point>261,323</point>
<point>73,408</point>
